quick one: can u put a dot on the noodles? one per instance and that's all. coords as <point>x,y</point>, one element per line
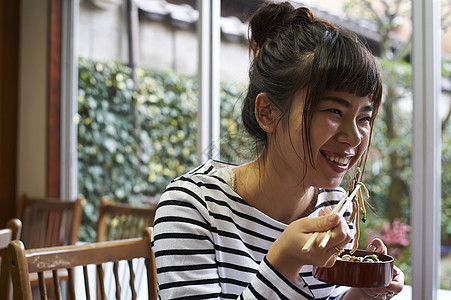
<point>355,197</point>
<point>358,198</point>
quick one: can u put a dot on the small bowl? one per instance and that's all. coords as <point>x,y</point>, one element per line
<point>358,274</point>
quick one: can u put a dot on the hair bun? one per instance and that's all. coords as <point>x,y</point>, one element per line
<point>301,15</point>
<point>264,22</point>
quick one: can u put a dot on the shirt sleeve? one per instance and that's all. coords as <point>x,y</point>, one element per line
<point>185,254</point>
<point>270,284</point>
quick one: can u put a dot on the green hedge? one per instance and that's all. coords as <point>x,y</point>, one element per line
<point>131,143</point>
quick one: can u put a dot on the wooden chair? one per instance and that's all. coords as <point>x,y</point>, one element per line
<point>78,258</point>
<point>121,221</point>
<point>49,222</point>
<point>11,232</point>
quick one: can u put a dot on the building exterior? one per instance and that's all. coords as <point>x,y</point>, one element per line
<point>167,33</point>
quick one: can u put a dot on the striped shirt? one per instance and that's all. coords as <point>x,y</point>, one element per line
<point>210,244</point>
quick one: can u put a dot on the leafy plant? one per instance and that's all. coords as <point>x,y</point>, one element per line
<point>133,142</point>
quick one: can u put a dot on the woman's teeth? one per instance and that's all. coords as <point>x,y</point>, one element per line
<point>339,160</point>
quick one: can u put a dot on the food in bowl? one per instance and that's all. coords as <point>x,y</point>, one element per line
<point>367,258</point>
<point>358,273</point>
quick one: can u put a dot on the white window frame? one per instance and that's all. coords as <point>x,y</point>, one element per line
<point>69,91</point>
<point>208,117</point>
<point>426,150</point>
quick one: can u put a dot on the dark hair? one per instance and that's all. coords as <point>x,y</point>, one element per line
<point>292,51</point>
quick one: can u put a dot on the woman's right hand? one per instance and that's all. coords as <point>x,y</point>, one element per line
<point>286,254</point>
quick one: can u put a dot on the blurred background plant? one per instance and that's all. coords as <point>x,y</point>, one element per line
<point>388,172</point>
<point>395,236</point>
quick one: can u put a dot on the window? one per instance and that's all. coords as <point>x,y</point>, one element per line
<point>402,173</point>
<point>137,100</point>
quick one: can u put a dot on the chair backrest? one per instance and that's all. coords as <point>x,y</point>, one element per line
<point>122,221</point>
<point>77,259</point>
<point>49,222</point>
<point>11,232</point>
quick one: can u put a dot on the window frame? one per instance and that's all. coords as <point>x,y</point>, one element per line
<point>426,150</point>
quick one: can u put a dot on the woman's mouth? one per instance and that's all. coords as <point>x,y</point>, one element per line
<point>341,161</point>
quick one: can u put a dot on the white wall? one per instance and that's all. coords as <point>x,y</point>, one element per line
<point>103,36</point>
<point>32,98</point>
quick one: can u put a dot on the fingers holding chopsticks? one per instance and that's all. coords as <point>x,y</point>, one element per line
<point>334,220</point>
<point>338,236</point>
<point>286,253</point>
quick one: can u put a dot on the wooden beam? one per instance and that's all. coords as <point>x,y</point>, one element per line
<point>54,99</point>
<point>9,99</point>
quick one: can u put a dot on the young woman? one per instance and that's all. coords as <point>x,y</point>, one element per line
<point>237,232</point>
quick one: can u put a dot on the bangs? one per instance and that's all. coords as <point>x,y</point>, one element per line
<point>343,63</point>
<point>362,79</point>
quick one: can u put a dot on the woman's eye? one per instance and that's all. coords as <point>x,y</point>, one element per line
<point>367,119</point>
<point>334,111</point>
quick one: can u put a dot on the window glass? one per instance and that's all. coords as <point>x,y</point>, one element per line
<point>137,113</point>
<point>234,66</point>
<point>385,27</point>
<point>137,100</point>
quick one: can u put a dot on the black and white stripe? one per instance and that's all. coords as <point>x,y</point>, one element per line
<point>210,244</point>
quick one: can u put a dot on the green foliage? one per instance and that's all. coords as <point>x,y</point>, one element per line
<point>234,143</point>
<point>377,174</point>
<point>446,188</point>
<point>132,143</point>
<point>397,74</point>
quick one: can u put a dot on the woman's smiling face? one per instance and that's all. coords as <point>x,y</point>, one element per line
<point>340,133</point>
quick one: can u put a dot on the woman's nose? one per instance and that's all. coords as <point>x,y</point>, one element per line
<point>349,133</point>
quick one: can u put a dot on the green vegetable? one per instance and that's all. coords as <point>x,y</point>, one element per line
<point>371,258</point>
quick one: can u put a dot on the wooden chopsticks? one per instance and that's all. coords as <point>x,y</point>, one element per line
<point>341,208</point>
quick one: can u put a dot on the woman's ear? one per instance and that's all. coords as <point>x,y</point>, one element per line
<point>266,114</point>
